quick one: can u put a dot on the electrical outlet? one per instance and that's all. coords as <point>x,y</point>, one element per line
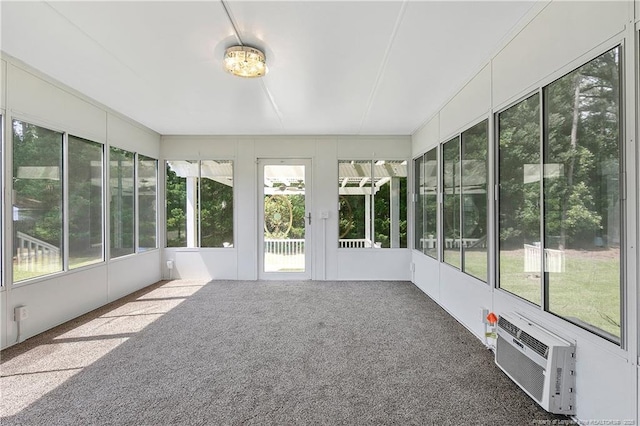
<point>484,312</point>
<point>20,313</point>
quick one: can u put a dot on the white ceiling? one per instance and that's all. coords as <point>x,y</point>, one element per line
<point>335,67</point>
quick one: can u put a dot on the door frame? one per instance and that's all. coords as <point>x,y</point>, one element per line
<point>291,276</point>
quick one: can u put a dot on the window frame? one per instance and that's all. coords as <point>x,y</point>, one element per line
<point>407,196</point>
<point>590,329</point>
<point>418,202</point>
<point>443,199</point>
<point>496,174</point>
<point>198,220</point>
<point>67,221</point>
<point>8,149</point>
<point>437,150</point>
<point>232,161</point>
<point>134,240</point>
<point>137,208</point>
<point>48,127</point>
<point>484,121</point>
<point>371,229</point>
<point>3,228</point>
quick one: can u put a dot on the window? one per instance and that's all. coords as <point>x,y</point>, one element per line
<point>464,201</point>
<point>216,204</point>
<point>426,203</point>
<point>430,205</point>
<point>573,268</point>
<point>582,206</point>
<point>451,202</point>
<point>418,206</point>
<point>44,219</point>
<point>178,172</point>
<point>354,180</point>
<point>519,199</point>
<point>373,203</point>
<point>390,203</point>
<point>199,203</point>
<point>147,201</point>
<point>2,150</point>
<point>121,190</point>
<point>85,202</point>
<point>473,146</point>
<point>37,204</point>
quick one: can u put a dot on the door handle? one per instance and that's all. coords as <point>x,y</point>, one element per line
<point>309,217</point>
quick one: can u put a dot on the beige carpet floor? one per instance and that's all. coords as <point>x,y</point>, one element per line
<point>280,353</point>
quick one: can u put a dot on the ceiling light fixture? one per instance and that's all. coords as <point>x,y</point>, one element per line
<point>245,61</point>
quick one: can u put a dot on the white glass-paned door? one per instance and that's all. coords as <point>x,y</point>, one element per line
<point>284,219</point>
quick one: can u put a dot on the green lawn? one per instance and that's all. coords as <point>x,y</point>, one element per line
<point>588,291</point>
<point>475,262</point>
<point>22,272</point>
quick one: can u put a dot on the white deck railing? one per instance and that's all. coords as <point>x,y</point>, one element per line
<point>357,243</point>
<point>284,255</point>
<point>554,260</point>
<point>32,252</point>
<point>454,242</point>
<point>287,247</point>
<point>295,247</point>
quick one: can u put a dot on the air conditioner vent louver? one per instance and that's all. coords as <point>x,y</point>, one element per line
<point>535,344</point>
<point>529,375</point>
<point>538,361</point>
<point>508,327</point>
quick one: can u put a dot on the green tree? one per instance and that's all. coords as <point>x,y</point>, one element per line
<point>37,182</point>
<point>583,141</point>
<point>85,200</point>
<point>176,208</point>
<point>121,190</point>
<point>216,213</point>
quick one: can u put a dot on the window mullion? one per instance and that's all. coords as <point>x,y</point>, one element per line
<point>460,201</point>
<point>65,201</point>
<point>544,276</point>
<point>136,204</point>
<point>199,205</point>
<point>105,202</point>
<point>372,202</point>
<point>440,202</point>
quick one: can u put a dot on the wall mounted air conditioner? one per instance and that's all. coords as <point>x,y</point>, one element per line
<point>538,361</point>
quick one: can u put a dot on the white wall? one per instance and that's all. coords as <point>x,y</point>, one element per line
<point>54,299</point>
<point>3,103</point>
<point>562,36</point>
<point>3,84</point>
<point>38,101</point>
<point>328,263</point>
<point>468,106</point>
<point>427,136</point>
<point>130,273</point>
<point>123,134</point>
<point>3,310</point>
<point>371,264</point>
<point>637,203</point>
